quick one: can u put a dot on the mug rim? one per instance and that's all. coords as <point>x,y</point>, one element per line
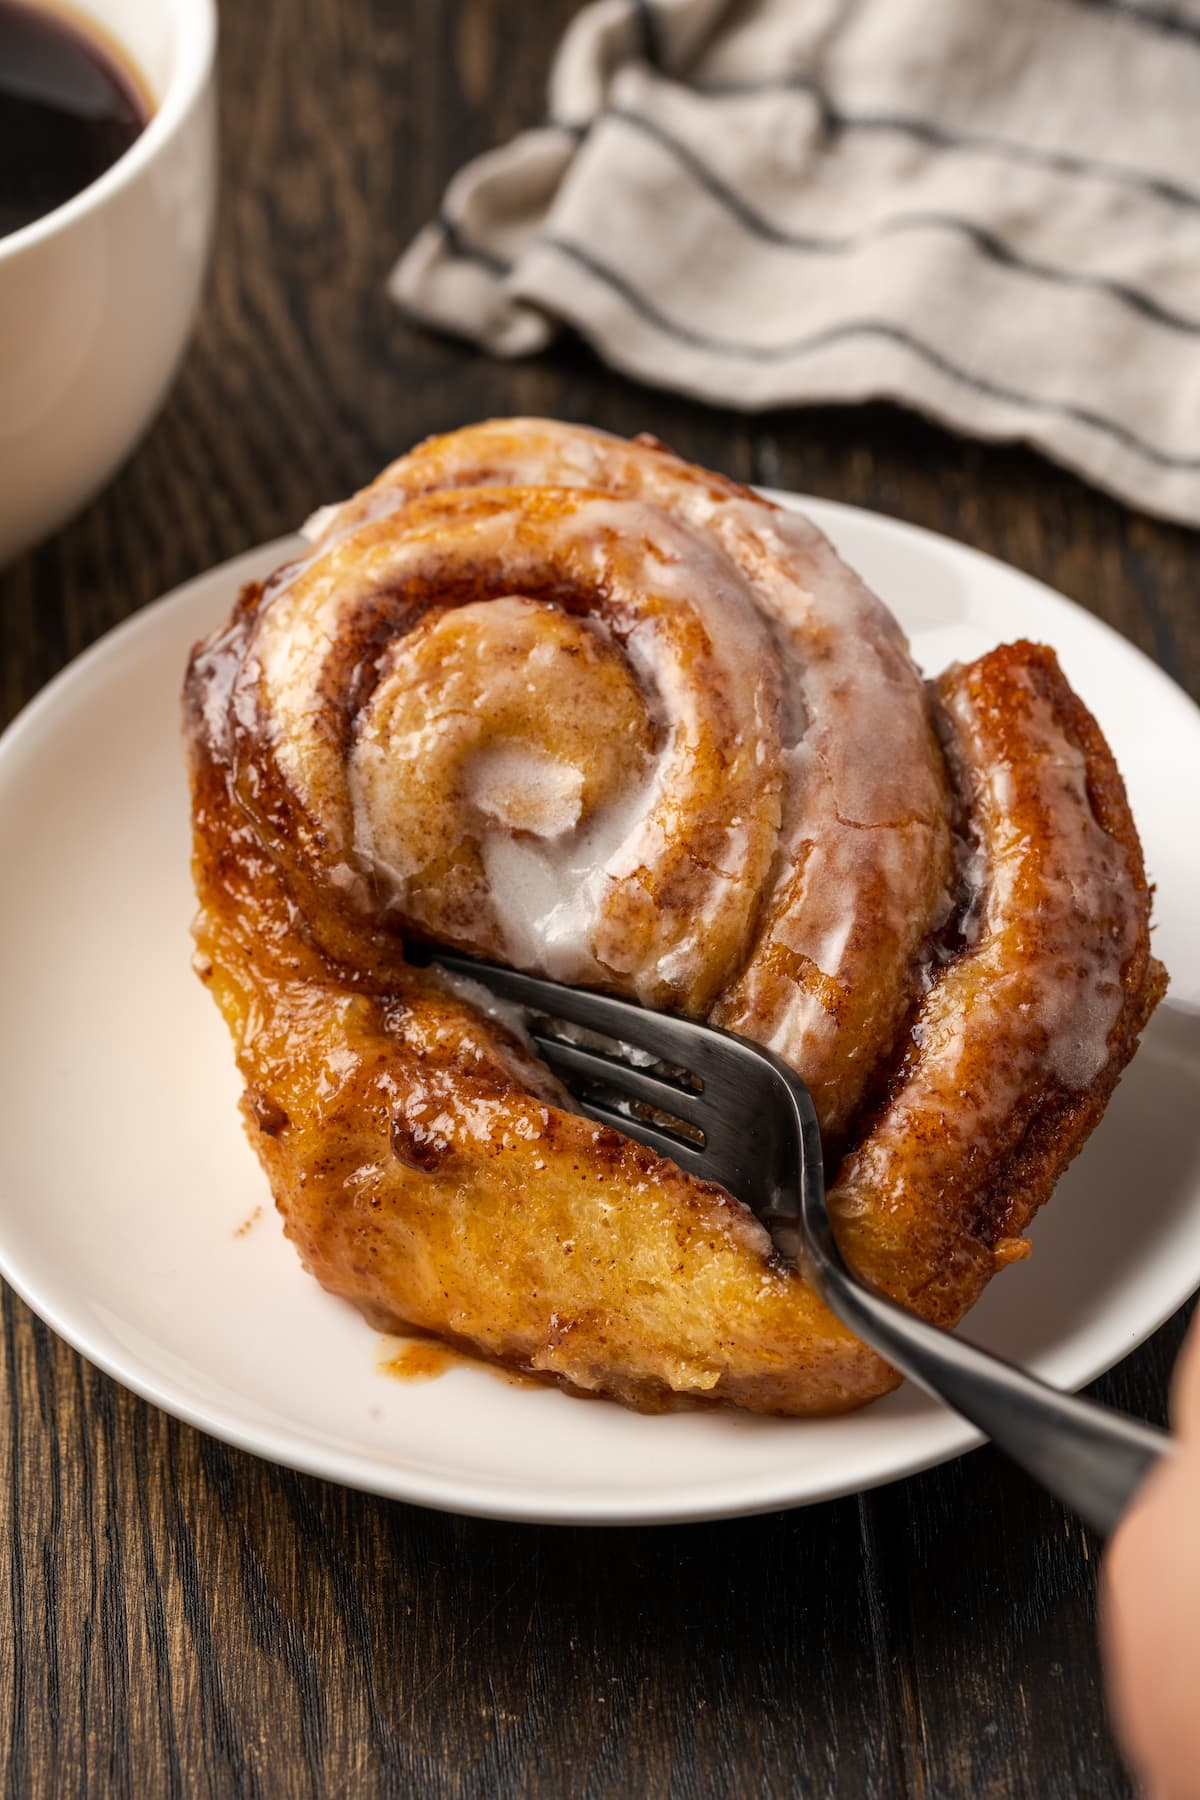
<point>198,24</point>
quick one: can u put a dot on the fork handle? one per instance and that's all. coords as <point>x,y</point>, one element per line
<point>1092,1458</point>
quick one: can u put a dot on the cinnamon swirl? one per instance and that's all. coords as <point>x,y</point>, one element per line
<point>570,703</point>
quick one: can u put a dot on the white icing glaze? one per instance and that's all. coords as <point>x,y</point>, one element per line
<point>547,896</point>
<point>522,789</point>
<point>318,522</point>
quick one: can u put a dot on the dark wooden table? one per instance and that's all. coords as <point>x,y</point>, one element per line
<point>181,1619</point>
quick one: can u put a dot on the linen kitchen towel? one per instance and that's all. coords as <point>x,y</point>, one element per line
<point>988,210</point>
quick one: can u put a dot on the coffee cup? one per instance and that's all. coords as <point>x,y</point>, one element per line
<point>98,296</point>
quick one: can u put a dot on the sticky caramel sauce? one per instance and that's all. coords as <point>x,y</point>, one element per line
<point>424,1359</point>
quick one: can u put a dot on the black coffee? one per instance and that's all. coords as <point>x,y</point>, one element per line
<point>68,110</point>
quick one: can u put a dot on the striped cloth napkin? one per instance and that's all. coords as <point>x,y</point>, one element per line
<point>989,212</point>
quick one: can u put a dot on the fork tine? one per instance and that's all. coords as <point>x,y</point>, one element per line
<point>578,1060</point>
<point>687,1156</point>
<point>733,1092</point>
<point>673,1040</point>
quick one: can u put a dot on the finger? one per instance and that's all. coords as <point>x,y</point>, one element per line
<point>1185,1396</point>
<point>1150,1622</point>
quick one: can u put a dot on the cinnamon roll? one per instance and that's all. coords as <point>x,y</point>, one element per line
<point>570,703</point>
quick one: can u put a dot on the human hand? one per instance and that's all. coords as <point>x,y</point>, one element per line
<point>1150,1609</point>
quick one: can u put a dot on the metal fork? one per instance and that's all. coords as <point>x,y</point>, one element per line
<point>731,1112</point>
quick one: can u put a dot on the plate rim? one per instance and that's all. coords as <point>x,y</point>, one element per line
<point>479,1497</point>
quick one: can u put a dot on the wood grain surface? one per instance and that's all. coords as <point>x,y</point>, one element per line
<point>181,1619</point>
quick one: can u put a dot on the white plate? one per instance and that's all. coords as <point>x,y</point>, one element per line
<point>124,1175</point>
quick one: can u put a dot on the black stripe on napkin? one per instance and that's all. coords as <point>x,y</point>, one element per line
<point>1155,18</point>
<point>982,240</point>
<point>466,251</point>
<point>1063,162</point>
<point>860,328</point>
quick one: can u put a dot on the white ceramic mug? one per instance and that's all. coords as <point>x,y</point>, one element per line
<point>97,297</point>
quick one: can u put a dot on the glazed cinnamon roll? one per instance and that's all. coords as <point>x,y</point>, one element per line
<point>570,703</point>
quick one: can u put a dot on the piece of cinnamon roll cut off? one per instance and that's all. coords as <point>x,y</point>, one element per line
<point>568,702</point>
